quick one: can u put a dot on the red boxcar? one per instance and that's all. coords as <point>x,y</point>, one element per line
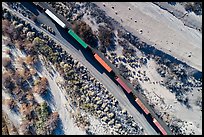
<point>100,60</point>
<point>159,127</point>
<point>123,85</point>
<point>142,106</point>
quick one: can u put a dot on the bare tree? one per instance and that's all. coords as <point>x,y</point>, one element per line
<point>19,44</point>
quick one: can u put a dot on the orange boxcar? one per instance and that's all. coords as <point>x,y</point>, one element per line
<point>159,127</point>
<point>100,60</point>
<point>123,85</point>
<point>142,106</point>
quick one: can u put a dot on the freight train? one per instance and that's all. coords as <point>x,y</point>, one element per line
<point>106,66</point>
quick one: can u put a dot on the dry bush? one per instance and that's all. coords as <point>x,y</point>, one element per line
<point>6,61</point>
<point>105,36</point>
<point>29,60</point>
<point>7,41</point>
<point>24,128</point>
<point>38,42</point>
<point>29,97</point>
<point>11,103</point>
<point>9,30</point>
<point>26,109</point>
<point>19,44</point>
<point>33,71</point>
<point>44,81</point>
<point>40,85</point>
<point>6,77</point>
<point>20,72</point>
<point>8,51</point>
<point>6,27</point>
<point>29,48</point>
<point>4,126</point>
<point>17,90</point>
<point>51,123</point>
<point>8,82</point>
<point>20,60</point>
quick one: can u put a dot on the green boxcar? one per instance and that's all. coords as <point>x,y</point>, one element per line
<point>76,37</point>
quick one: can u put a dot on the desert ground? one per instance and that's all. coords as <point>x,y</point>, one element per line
<point>159,28</point>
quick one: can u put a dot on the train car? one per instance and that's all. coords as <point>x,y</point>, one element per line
<point>161,129</point>
<point>39,7</point>
<point>102,62</point>
<point>127,89</point>
<point>77,38</point>
<point>55,18</point>
<point>142,106</point>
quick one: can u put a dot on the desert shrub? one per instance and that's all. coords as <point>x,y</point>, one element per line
<point>85,32</point>
<point>40,86</point>
<point>123,70</point>
<point>6,61</point>
<point>106,36</point>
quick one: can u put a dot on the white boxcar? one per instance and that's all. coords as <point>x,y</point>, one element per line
<point>49,13</point>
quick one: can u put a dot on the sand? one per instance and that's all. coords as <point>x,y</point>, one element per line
<point>156,91</point>
<point>159,27</point>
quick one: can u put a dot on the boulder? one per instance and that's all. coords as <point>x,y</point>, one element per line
<point>15,23</point>
<point>95,106</point>
<point>105,95</point>
<point>29,34</point>
<point>110,115</point>
<point>111,122</point>
<point>124,111</point>
<point>19,27</point>
<point>99,112</point>
<point>97,84</point>
<point>118,126</point>
<point>134,124</point>
<point>6,15</point>
<point>92,79</point>
<point>104,119</point>
<point>25,30</point>
<point>75,61</point>
<point>91,93</point>
<point>106,109</point>
<point>97,98</point>
<point>99,102</point>
<point>103,105</point>
<point>122,132</point>
<point>87,99</point>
